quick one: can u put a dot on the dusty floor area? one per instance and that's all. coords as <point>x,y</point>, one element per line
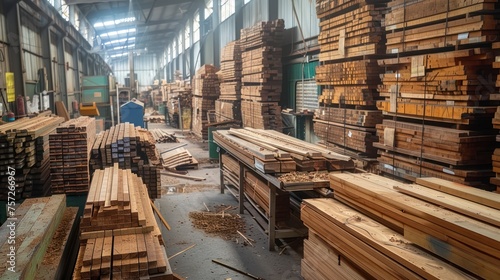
<point>180,197</point>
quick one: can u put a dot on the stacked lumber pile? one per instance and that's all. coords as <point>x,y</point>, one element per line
<point>44,231</point>
<point>444,83</point>
<point>205,91</point>
<point>430,24</point>
<point>496,123</point>
<point>350,40</point>
<point>120,236</point>
<point>273,152</point>
<point>179,159</point>
<point>131,148</point>
<point>70,148</point>
<point>262,75</point>
<point>445,153</point>
<point>24,148</point>
<point>395,230</point>
<point>228,106</point>
<point>179,96</point>
<point>161,136</point>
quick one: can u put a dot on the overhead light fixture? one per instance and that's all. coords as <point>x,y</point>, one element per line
<point>123,47</point>
<point>118,32</point>
<point>120,41</point>
<point>118,55</point>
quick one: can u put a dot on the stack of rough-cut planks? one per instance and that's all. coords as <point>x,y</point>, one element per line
<point>161,136</point>
<point>131,148</point>
<point>228,107</point>
<point>70,148</point>
<point>205,91</point>
<point>119,233</point>
<point>442,79</point>
<point>496,153</point>
<point>351,39</point>
<point>380,228</point>
<point>24,148</point>
<point>177,92</point>
<point>430,24</point>
<point>262,75</point>
<point>273,152</point>
<point>179,159</point>
<point>455,149</point>
<point>38,240</point>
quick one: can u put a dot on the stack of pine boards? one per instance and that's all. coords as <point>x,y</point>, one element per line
<point>131,148</point>
<point>262,75</point>
<point>24,148</point>
<point>382,229</point>
<point>495,180</point>
<point>178,159</point>
<point>179,96</point>
<point>45,236</point>
<point>228,106</point>
<point>440,83</point>
<point>70,148</point>
<point>274,152</point>
<point>351,39</point>
<point>205,91</point>
<point>120,238</point>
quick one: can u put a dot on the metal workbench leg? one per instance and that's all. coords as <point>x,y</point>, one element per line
<point>241,187</point>
<point>272,216</point>
<point>222,187</point>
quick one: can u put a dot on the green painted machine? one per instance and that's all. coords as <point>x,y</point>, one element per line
<point>100,91</point>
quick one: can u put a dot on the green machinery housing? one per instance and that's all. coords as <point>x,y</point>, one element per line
<point>100,90</point>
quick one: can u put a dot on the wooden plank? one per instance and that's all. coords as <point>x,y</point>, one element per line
<point>459,205</point>
<point>479,196</point>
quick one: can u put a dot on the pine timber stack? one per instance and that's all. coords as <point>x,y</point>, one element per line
<point>119,233</point>
<point>24,148</point>
<point>131,148</point>
<point>205,91</point>
<point>70,148</point>
<point>226,110</point>
<point>438,79</point>
<point>273,152</point>
<point>392,230</point>
<point>45,231</point>
<point>228,106</point>
<point>177,92</point>
<point>496,122</point>
<point>161,136</point>
<point>430,24</point>
<point>179,159</point>
<point>351,38</point>
<point>262,75</point>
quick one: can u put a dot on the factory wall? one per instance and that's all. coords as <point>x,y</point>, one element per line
<point>144,67</point>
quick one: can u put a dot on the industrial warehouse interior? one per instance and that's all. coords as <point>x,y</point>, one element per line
<point>249,139</point>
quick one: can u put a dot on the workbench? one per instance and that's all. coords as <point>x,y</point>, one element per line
<point>275,185</point>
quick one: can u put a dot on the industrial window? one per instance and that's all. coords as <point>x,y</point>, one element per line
<point>306,93</point>
<point>169,53</point>
<point>187,34</point>
<point>64,11</point>
<point>174,50</point>
<point>196,27</point>
<point>77,20</point>
<point>246,1</point>
<point>209,8</point>
<point>226,9</point>
<point>179,38</point>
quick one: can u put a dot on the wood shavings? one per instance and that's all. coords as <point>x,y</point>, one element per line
<point>304,177</point>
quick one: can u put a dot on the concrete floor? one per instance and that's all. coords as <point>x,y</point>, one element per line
<point>181,196</point>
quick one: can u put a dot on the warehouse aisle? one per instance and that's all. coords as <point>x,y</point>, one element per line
<point>180,197</point>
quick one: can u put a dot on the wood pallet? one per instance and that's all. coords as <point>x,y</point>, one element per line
<point>453,223</point>
<point>129,246</point>
<point>70,149</point>
<point>24,148</point>
<point>36,222</point>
